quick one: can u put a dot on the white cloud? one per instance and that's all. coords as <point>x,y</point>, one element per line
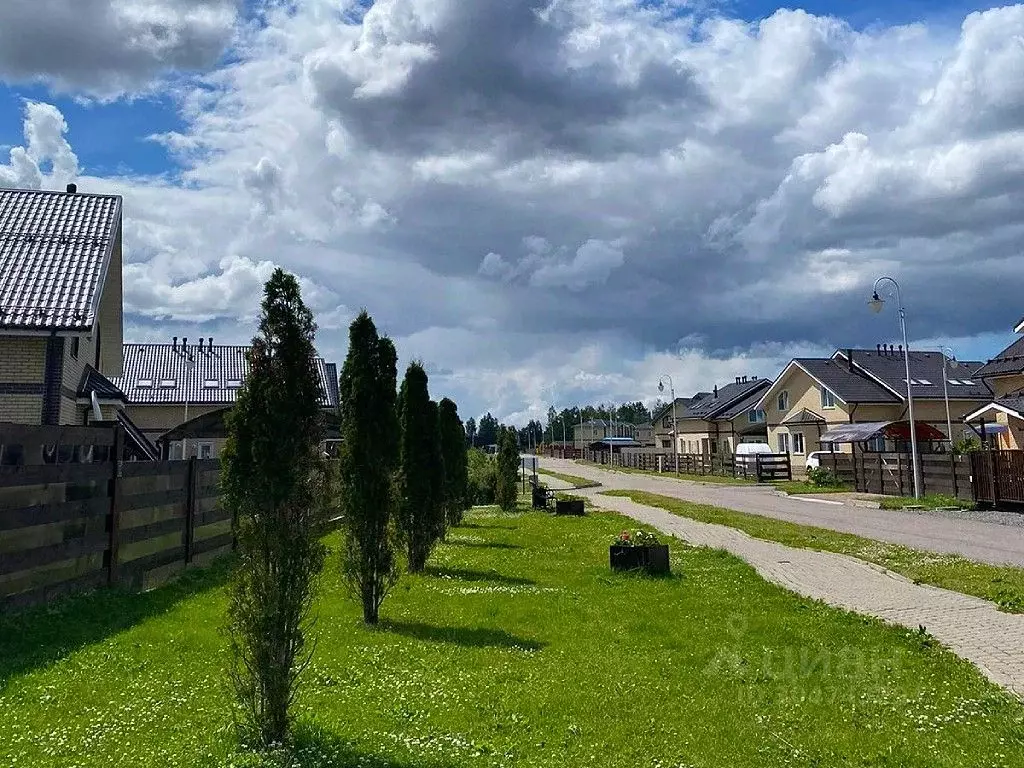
<point>46,157</point>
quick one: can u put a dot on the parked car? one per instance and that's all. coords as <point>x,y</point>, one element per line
<point>746,453</point>
<point>814,458</point>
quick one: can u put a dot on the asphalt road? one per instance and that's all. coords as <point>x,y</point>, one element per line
<point>983,541</point>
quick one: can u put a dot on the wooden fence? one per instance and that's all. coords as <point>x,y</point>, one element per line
<point>760,467</point>
<point>892,473</point>
<point>74,515</point>
<point>998,476</point>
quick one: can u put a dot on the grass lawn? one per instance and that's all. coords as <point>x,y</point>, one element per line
<point>931,501</point>
<point>1003,585</point>
<point>518,647</point>
<point>578,482</point>
<point>720,479</point>
<point>799,487</point>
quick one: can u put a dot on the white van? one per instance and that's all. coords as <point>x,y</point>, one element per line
<point>746,453</point>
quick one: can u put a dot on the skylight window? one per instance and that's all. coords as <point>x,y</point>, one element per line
<point>234,383</point>
<point>144,383</point>
<point>168,383</point>
<point>211,383</point>
<point>967,382</point>
<point>923,381</point>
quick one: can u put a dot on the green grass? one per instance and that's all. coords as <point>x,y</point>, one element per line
<point>719,479</point>
<point>932,501</point>
<point>1003,585</point>
<point>518,647</point>
<point>798,487</point>
<point>576,482</point>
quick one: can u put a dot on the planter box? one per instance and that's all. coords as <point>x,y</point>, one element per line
<point>651,559</point>
<point>569,507</point>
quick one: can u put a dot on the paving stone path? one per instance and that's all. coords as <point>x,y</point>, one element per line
<point>971,627</point>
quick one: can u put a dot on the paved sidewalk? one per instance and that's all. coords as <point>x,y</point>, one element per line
<point>972,628</point>
<point>987,542</point>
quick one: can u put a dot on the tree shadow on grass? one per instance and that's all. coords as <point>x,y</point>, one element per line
<point>33,637</point>
<point>469,637</point>
<point>464,574</point>
<point>485,525</point>
<point>313,744</point>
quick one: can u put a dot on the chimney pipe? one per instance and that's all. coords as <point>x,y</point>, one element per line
<point>174,344</point>
<point>200,343</point>
<point>901,350</point>
<point>184,344</point>
<point>716,391</point>
<point>849,359</point>
<point>737,379</point>
<point>72,188</point>
<point>209,344</point>
<point>892,350</point>
<point>878,349</point>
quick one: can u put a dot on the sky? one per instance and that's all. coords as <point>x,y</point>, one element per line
<point>547,202</point>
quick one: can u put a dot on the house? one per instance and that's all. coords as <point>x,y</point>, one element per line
<point>1004,374</point>
<point>644,434</point>
<point>588,432</point>
<point>813,395</point>
<point>179,393</point>
<point>60,306</point>
<point>713,422</point>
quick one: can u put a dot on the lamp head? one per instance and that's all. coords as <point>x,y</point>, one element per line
<point>876,303</point>
<point>661,386</point>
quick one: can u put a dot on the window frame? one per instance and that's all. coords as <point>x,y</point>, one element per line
<point>782,442</point>
<point>799,444</point>
<point>828,399</point>
<point>204,447</point>
<point>782,400</point>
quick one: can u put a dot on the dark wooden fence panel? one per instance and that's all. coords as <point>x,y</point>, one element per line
<point>74,525</point>
<point>773,467</point>
<point>892,474</point>
<point>998,476</point>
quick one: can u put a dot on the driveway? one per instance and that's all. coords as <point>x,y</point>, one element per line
<point>982,541</point>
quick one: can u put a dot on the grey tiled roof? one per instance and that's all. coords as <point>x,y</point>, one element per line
<point>210,379</point>
<point>1009,361</point>
<point>803,416</point>
<point>926,366</point>
<point>55,250</point>
<point>1013,403</point>
<point>747,402</point>
<point>848,386</point>
<point>707,406</point>
<point>93,380</point>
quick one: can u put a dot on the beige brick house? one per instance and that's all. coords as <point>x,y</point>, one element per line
<point>60,305</point>
<point>1005,375</point>
<point>813,395</point>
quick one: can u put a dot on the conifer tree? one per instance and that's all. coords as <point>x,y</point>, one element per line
<point>508,469</point>
<point>272,478</point>
<point>456,462</point>
<point>368,462</point>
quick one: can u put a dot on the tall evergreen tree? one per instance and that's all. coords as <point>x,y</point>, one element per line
<point>272,475</point>
<point>456,462</point>
<point>418,522</point>
<point>471,432</point>
<point>438,485</point>
<point>368,461</point>
<point>508,469</point>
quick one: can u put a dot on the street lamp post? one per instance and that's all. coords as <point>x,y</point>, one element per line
<point>876,305</point>
<point>675,425</point>
<point>952,363</point>
<point>190,365</point>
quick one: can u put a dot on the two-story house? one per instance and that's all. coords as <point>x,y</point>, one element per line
<point>60,306</point>
<point>712,422</point>
<point>813,395</point>
<point>1005,375</point>
<point>179,393</point>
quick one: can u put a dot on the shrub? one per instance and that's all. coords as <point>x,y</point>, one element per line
<point>483,477</point>
<point>507,492</point>
<point>823,477</point>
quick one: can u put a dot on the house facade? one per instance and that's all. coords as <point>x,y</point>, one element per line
<point>1004,374</point>
<point>186,389</point>
<point>712,422</point>
<point>813,395</point>
<point>61,321</point>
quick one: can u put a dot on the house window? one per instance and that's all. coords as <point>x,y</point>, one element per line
<point>205,450</point>
<point>783,441</point>
<point>828,400</point>
<point>233,383</point>
<point>798,442</point>
<point>667,422</point>
<point>168,383</point>
<point>211,383</point>
<point>755,416</point>
<point>827,446</point>
<point>666,444</point>
<point>144,384</point>
<point>75,343</point>
<point>783,400</point>
<point>876,444</point>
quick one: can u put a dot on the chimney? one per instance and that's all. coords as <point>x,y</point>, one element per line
<point>72,188</point>
<point>200,343</point>
<point>744,379</point>
<point>716,391</point>
<point>901,350</point>
<point>892,350</point>
<point>753,378</point>
<point>174,344</point>
<point>738,379</point>
<point>209,344</point>
<point>849,359</point>
<point>878,349</point>
<point>184,344</point>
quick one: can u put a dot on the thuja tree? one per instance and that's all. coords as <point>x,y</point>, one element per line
<point>367,462</point>
<point>419,523</point>
<point>272,477</point>
<point>456,462</point>
<point>508,469</point>
<point>438,472</point>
